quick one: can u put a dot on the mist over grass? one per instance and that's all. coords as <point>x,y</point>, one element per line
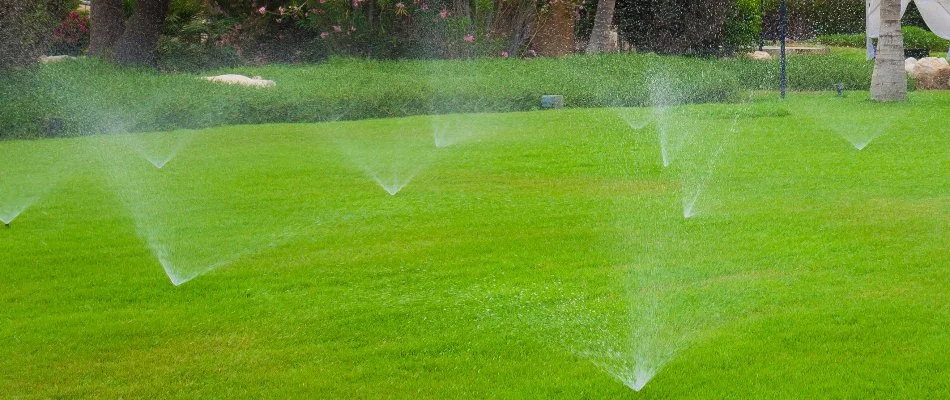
<point>87,96</point>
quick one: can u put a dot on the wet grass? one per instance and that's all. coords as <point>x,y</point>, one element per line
<point>534,259</point>
<point>87,97</point>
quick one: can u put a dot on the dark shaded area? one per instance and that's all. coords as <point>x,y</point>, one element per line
<point>26,28</point>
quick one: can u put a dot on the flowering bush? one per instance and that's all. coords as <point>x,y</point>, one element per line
<point>308,30</point>
<point>71,37</point>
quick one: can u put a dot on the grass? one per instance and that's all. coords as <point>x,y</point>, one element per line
<point>527,261</point>
<point>85,97</point>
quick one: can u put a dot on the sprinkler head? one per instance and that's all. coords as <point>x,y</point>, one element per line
<point>6,225</point>
<point>840,88</point>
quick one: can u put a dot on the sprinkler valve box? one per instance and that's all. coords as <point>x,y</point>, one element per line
<point>552,101</point>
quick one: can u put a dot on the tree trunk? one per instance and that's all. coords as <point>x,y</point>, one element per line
<point>600,35</point>
<point>889,81</point>
<point>555,35</point>
<point>107,21</point>
<point>514,21</point>
<point>137,44</point>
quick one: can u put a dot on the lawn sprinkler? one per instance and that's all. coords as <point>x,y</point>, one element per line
<point>840,88</point>
<point>6,225</point>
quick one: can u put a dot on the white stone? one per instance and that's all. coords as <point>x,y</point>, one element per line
<point>760,56</point>
<point>909,64</point>
<point>52,59</point>
<point>235,79</point>
<point>932,73</point>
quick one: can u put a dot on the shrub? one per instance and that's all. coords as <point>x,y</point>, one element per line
<point>742,26</point>
<point>914,38</point>
<point>192,40</point>
<point>71,37</point>
<point>689,27</point>
<point>810,18</point>
<point>259,32</point>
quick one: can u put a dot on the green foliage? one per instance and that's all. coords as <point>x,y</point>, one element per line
<point>742,27</point>
<point>193,41</point>
<point>810,18</point>
<point>71,37</point>
<point>914,38</point>
<point>920,38</point>
<point>688,27</point>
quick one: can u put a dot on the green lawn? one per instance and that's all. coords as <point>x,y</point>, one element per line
<point>534,255</point>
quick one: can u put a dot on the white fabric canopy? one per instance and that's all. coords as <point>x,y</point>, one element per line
<point>936,14</point>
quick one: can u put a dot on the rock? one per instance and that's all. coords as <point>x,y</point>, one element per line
<point>234,79</point>
<point>760,56</point>
<point>932,73</point>
<point>909,65</point>
<point>52,59</point>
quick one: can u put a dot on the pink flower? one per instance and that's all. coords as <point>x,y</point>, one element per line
<point>323,35</point>
<point>444,13</point>
<point>262,10</point>
<point>336,28</point>
<point>504,54</point>
<point>356,3</point>
<point>280,10</point>
<point>352,29</point>
<point>400,5</point>
<point>469,38</point>
<point>323,1</point>
<point>532,53</point>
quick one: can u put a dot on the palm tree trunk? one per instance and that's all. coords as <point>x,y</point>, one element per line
<point>889,81</point>
<point>600,35</point>
<point>107,21</point>
<point>555,34</point>
<point>137,44</point>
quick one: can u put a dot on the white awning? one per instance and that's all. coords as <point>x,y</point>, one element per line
<point>936,14</point>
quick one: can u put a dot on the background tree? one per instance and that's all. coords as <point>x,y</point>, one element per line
<point>25,27</point>
<point>600,35</point>
<point>675,26</point>
<point>130,42</point>
<point>107,21</point>
<point>889,81</point>
<point>555,34</point>
<point>137,44</point>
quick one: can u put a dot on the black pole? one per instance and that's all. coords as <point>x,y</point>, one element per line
<point>761,25</point>
<point>783,31</point>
